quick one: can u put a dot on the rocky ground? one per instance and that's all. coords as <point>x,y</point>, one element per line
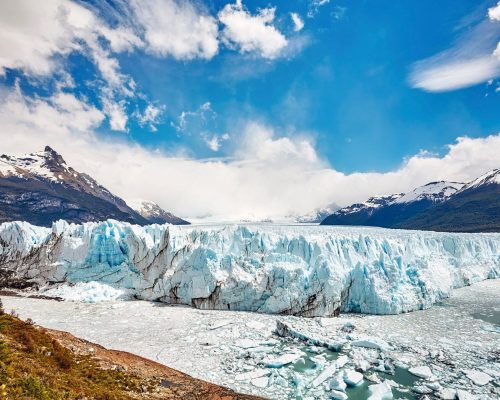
<point>451,351</point>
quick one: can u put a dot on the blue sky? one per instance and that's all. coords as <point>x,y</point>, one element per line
<point>354,88</point>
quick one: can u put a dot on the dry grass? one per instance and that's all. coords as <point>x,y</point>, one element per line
<point>35,366</point>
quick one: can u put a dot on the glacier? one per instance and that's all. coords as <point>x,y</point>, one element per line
<point>267,268</point>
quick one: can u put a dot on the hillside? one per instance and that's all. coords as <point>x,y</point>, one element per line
<point>37,363</point>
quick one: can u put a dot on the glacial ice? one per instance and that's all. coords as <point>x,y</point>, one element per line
<point>282,269</point>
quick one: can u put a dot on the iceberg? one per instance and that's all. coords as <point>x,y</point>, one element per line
<point>278,269</point>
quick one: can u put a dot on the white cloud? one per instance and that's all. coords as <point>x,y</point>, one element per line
<point>266,176</point>
<point>198,120</point>
<point>438,77</point>
<point>314,7</point>
<point>31,38</point>
<point>61,115</point>
<point>214,142</point>
<point>151,116</point>
<point>494,12</point>
<point>260,144</point>
<point>470,61</point>
<point>251,33</point>
<point>177,29</point>
<point>297,22</point>
<point>116,113</point>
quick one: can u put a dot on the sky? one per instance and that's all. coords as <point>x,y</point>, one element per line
<point>254,109</point>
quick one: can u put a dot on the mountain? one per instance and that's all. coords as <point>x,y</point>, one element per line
<point>357,214</point>
<point>41,188</point>
<point>442,206</point>
<point>473,208</point>
<point>154,213</point>
<point>315,216</point>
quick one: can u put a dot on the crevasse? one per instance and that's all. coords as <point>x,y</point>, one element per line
<point>285,269</point>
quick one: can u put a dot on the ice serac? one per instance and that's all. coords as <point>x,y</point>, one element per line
<point>302,270</point>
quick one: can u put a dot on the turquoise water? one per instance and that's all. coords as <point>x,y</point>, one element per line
<point>307,368</point>
<point>493,316</point>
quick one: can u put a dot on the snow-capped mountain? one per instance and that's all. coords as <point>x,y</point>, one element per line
<point>434,191</point>
<point>41,188</point>
<point>369,206</point>
<point>315,216</point>
<point>447,206</point>
<point>154,213</point>
<point>473,208</point>
<point>489,178</point>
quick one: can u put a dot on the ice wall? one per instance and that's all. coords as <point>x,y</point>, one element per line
<point>303,270</point>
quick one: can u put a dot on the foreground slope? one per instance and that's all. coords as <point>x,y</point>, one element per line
<point>302,270</point>
<point>36,363</point>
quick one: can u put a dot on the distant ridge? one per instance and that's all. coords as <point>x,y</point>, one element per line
<point>440,206</point>
<point>154,213</point>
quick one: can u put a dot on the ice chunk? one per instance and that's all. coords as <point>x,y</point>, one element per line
<point>261,382</point>
<point>447,394</point>
<point>338,395</point>
<point>422,371</point>
<point>88,292</point>
<point>464,395</point>
<point>477,377</point>
<point>371,343</point>
<point>282,360</point>
<point>285,329</point>
<point>352,378</point>
<point>246,343</point>
<point>380,391</point>
<point>422,389</point>
<point>337,383</point>
<point>250,375</point>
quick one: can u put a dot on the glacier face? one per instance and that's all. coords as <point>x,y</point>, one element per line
<point>286,269</point>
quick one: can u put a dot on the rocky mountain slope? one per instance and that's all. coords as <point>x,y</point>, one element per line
<point>154,213</point>
<point>441,206</point>
<point>474,208</point>
<point>41,188</point>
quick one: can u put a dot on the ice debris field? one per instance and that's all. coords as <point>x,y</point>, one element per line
<point>274,269</point>
<point>450,351</point>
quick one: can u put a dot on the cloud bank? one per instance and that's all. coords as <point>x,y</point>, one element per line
<point>269,175</point>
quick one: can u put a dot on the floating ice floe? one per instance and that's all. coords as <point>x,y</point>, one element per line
<point>282,360</point>
<point>371,343</point>
<point>337,383</point>
<point>477,377</point>
<point>329,371</point>
<point>352,378</point>
<point>422,371</point>
<point>380,391</point>
<point>338,395</point>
